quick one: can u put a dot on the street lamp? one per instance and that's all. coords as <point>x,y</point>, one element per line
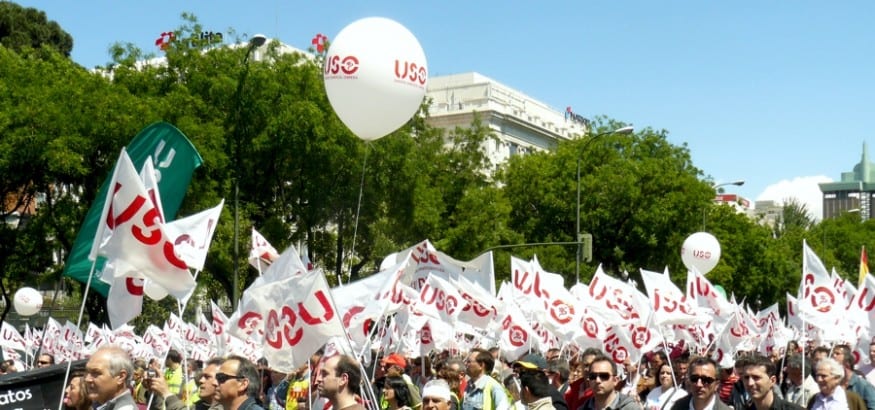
<point>620,131</point>
<point>256,41</point>
<point>738,182</point>
<point>716,188</point>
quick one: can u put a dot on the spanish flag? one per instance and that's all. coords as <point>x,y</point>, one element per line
<point>864,267</point>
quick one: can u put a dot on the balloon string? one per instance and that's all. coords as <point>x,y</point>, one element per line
<point>358,208</point>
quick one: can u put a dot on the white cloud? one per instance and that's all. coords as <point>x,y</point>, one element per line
<point>804,189</point>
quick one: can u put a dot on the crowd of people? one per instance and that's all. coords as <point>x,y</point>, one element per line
<point>817,378</point>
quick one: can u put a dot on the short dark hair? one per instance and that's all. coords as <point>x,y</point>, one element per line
<point>217,361</point>
<point>847,356</point>
<point>174,356</point>
<point>485,359</point>
<point>602,358</point>
<point>347,364</point>
<point>764,362</point>
<point>795,362</point>
<point>536,382</point>
<point>704,361</point>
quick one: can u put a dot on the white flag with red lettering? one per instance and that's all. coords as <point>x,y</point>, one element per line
<point>712,304</point>
<point>297,316</point>
<point>139,244</point>
<point>9,337</point>
<point>261,253</point>
<point>124,301</point>
<point>444,297</point>
<point>193,234</point>
<point>819,302</point>
<point>670,305</point>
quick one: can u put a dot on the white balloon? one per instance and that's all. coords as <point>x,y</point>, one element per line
<point>375,76</point>
<point>153,290</point>
<point>701,251</point>
<point>27,301</point>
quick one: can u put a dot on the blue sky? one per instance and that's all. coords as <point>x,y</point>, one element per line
<point>777,93</point>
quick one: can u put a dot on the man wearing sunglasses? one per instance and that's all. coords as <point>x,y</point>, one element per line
<point>702,385</point>
<point>238,384</point>
<point>207,390</point>
<point>602,377</point>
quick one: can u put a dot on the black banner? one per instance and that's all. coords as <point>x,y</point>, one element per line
<point>37,389</point>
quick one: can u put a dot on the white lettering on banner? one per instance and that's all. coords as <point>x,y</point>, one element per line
<point>14,396</point>
<point>165,163</point>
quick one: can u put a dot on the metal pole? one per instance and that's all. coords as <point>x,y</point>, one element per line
<point>577,226</point>
<point>255,42</point>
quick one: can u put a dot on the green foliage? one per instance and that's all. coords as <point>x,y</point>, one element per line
<point>26,27</point>
<point>266,125</point>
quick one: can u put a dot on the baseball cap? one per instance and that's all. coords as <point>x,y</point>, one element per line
<point>395,359</point>
<point>531,362</point>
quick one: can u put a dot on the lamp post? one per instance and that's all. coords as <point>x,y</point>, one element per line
<point>623,130</point>
<point>256,41</point>
<point>716,188</point>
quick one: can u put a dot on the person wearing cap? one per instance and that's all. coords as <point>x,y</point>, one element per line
<point>395,365</point>
<point>535,391</point>
<point>436,395</point>
<point>482,391</point>
<point>534,363</point>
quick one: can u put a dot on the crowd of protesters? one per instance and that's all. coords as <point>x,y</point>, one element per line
<point>818,378</point>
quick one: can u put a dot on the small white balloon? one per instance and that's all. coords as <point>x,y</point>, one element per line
<point>375,76</point>
<point>27,301</point>
<point>701,251</point>
<point>153,290</point>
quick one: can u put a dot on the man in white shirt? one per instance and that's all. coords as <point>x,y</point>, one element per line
<point>829,374</point>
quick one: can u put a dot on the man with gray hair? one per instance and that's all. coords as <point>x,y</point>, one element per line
<point>108,375</point>
<point>828,374</point>
<point>802,386</point>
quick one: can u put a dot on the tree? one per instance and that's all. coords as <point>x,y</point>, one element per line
<point>27,27</point>
<point>639,195</point>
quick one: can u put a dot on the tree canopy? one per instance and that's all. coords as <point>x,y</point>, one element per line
<point>304,179</point>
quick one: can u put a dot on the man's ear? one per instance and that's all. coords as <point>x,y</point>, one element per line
<point>244,386</point>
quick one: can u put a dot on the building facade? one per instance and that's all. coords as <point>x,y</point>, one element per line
<point>853,193</point>
<point>520,123</point>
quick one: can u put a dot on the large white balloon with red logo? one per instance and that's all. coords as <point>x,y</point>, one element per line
<point>701,250</point>
<point>375,76</point>
<point>27,301</point>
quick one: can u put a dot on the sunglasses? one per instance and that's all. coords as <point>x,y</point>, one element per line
<point>601,376</point>
<point>704,379</point>
<point>222,377</point>
<point>42,362</point>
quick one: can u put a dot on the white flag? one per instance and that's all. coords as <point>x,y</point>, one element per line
<point>193,234</point>
<point>139,244</point>
<point>261,253</point>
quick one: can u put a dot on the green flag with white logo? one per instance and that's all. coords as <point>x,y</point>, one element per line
<point>175,160</point>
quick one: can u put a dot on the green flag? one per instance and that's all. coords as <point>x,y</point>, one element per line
<point>175,160</point>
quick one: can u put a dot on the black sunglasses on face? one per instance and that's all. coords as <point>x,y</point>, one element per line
<point>601,376</point>
<point>222,377</point>
<point>704,379</point>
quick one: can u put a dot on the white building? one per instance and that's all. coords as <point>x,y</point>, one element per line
<point>521,123</point>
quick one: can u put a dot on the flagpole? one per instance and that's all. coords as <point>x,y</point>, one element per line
<point>78,326</point>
